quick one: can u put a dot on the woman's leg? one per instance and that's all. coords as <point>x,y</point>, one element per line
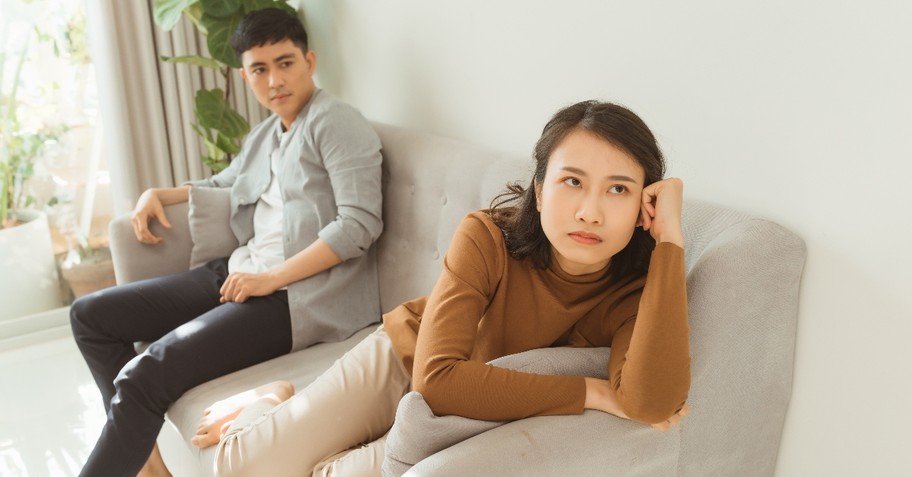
<point>352,403</point>
<point>229,337</point>
<point>362,461</point>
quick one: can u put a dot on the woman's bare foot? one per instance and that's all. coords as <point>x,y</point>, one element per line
<point>155,466</point>
<point>218,417</point>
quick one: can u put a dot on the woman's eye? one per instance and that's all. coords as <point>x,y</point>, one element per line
<point>617,189</point>
<point>572,182</point>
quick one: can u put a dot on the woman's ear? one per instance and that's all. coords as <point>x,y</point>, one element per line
<point>538,192</point>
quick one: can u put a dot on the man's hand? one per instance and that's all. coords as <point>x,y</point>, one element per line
<point>148,207</point>
<point>238,287</point>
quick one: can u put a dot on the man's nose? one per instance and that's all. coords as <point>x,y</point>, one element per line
<point>276,79</point>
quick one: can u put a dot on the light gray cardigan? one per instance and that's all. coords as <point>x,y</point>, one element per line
<point>331,185</point>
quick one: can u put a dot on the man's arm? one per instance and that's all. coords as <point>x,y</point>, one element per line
<point>151,205</point>
<point>317,257</point>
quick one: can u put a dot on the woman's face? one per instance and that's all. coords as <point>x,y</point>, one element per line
<point>589,201</point>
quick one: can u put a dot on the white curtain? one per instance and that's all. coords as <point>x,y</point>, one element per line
<point>146,104</point>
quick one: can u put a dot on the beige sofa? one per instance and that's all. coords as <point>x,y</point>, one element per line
<point>743,280</point>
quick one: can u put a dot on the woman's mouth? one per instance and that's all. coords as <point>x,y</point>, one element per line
<point>585,238</point>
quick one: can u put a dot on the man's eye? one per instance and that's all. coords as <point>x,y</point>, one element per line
<point>617,189</point>
<point>572,182</point>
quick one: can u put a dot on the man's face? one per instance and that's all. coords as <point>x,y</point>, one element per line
<point>281,77</point>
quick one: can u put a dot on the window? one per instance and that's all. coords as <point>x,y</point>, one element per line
<point>48,96</point>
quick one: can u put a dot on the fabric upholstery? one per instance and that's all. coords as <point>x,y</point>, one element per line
<point>418,433</point>
<point>743,281</point>
<point>210,229</point>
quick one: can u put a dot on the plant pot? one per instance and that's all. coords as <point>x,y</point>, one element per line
<point>28,274</point>
<point>92,274</point>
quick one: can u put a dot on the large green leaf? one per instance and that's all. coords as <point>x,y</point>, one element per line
<point>193,60</point>
<point>215,113</point>
<point>168,12</point>
<point>253,5</point>
<point>220,30</point>
<point>227,144</point>
<point>221,8</point>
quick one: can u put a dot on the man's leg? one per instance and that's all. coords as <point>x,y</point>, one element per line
<point>107,323</point>
<point>352,403</point>
<point>230,337</point>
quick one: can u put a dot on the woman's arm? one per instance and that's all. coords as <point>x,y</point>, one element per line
<point>649,366</point>
<point>443,371</point>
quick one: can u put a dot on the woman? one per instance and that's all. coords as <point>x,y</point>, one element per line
<point>589,254</point>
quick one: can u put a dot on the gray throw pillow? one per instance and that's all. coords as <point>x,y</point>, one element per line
<point>417,433</point>
<point>210,227</point>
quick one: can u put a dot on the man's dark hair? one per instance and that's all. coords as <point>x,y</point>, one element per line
<point>266,27</point>
<point>521,222</point>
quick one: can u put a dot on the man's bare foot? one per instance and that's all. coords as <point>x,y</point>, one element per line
<point>155,466</point>
<point>218,417</point>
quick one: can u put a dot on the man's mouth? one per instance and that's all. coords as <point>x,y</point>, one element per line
<point>282,95</point>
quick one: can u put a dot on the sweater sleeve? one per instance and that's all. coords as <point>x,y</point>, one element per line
<point>649,366</point>
<point>444,373</point>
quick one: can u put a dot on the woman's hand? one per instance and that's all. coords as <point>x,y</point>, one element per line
<point>238,287</point>
<point>673,420</point>
<point>660,211</point>
<point>601,397</point>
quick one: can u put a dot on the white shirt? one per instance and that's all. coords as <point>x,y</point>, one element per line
<point>265,250</point>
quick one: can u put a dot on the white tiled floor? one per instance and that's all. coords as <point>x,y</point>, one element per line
<point>51,412</point>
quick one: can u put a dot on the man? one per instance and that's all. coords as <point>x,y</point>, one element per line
<point>305,207</point>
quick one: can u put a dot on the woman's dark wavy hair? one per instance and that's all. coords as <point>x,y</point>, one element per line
<point>266,27</point>
<point>515,211</point>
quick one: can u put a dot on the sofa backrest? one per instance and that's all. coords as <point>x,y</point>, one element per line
<point>429,184</point>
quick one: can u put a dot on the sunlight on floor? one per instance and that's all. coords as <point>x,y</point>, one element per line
<point>50,410</point>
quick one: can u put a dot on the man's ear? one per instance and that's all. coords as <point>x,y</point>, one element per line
<point>640,218</point>
<point>243,74</point>
<point>538,192</point>
<point>311,58</point>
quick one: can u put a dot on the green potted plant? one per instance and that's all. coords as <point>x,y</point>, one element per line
<point>219,126</point>
<point>29,282</point>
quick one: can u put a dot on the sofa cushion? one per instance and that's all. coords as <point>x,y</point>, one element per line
<point>417,433</point>
<point>210,229</point>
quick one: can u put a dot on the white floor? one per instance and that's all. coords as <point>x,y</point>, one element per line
<point>50,410</point>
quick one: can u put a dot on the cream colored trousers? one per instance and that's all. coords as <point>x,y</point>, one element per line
<point>336,426</point>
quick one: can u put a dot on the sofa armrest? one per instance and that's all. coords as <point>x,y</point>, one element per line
<point>743,282</point>
<point>137,261</point>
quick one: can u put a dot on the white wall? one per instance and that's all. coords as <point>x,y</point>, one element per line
<point>800,111</point>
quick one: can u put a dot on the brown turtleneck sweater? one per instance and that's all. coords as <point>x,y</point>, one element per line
<point>487,305</point>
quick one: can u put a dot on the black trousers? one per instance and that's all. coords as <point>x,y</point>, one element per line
<point>194,339</point>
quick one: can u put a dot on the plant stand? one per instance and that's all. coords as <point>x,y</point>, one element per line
<point>93,274</point>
